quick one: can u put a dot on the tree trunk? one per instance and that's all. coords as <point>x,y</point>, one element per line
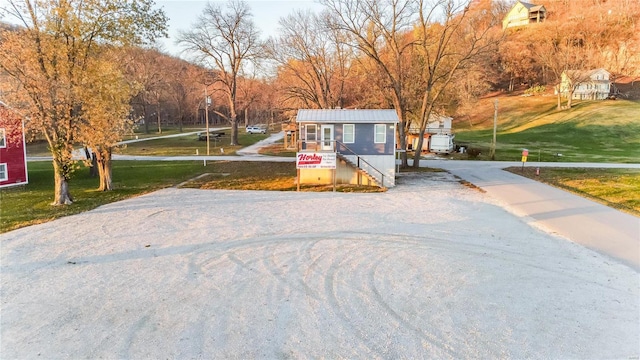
<point>158,117</point>
<point>234,131</point>
<point>569,98</point>
<point>559,98</point>
<point>104,169</point>
<point>425,112</point>
<point>400,131</point>
<point>146,120</point>
<point>61,190</point>
<point>93,172</point>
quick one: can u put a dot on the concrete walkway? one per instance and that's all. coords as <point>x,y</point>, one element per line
<point>596,226</point>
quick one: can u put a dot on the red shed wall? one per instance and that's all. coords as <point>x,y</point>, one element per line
<point>14,154</point>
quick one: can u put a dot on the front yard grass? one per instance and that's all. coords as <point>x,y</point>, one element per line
<point>31,204</point>
<point>190,145</point>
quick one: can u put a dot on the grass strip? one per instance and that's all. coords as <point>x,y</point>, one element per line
<point>616,188</point>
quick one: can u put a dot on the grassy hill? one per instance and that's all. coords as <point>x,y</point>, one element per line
<point>592,131</point>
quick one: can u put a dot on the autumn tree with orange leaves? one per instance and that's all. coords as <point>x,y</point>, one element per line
<point>57,57</point>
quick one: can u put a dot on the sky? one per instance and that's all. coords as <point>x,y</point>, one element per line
<point>266,14</point>
<point>182,14</point>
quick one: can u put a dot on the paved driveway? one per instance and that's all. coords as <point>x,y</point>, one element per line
<point>598,227</point>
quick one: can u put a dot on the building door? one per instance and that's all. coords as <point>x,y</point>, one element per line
<point>326,133</point>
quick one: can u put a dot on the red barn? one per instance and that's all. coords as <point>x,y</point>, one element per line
<point>13,152</point>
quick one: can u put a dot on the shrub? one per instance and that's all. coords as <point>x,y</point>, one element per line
<point>535,90</point>
<point>473,153</point>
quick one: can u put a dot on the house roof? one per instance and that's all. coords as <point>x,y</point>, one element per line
<point>347,116</point>
<point>531,7</point>
<point>526,4</point>
<point>585,73</point>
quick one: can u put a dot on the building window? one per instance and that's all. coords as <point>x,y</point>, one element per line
<point>348,133</point>
<point>3,138</point>
<point>311,132</point>
<point>3,172</point>
<point>381,134</point>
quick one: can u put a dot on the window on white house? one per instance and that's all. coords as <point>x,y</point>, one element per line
<point>3,172</point>
<point>348,133</point>
<point>3,138</point>
<point>311,132</point>
<point>381,134</point>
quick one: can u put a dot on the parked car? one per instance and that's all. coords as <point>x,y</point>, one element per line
<point>212,136</point>
<point>256,130</point>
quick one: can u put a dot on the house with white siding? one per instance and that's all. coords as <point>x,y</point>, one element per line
<point>586,84</point>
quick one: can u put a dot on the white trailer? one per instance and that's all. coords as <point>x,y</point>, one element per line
<point>441,143</point>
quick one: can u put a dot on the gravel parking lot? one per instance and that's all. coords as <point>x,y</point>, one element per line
<point>429,269</point>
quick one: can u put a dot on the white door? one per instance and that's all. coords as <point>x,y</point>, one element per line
<point>326,133</point>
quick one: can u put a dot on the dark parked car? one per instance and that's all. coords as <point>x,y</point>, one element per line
<point>212,136</point>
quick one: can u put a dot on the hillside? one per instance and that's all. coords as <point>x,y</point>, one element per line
<point>596,131</point>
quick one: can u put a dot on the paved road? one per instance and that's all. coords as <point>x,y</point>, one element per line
<point>171,136</point>
<point>598,227</point>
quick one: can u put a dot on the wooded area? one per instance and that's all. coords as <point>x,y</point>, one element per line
<point>87,72</point>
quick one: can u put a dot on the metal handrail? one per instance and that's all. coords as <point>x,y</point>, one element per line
<point>363,160</point>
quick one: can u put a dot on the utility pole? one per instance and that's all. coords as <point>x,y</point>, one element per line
<point>495,127</point>
<point>206,115</point>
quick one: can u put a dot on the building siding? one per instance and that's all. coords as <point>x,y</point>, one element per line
<point>14,153</point>
<point>364,140</point>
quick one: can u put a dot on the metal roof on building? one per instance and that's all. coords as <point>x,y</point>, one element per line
<point>347,116</point>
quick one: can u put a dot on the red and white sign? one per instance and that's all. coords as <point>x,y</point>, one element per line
<point>316,161</point>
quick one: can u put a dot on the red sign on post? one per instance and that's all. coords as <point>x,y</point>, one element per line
<point>316,161</point>
<point>525,152</point>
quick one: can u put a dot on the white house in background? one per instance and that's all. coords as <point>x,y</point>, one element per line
<point>524,13</point>
<point>586,84</point>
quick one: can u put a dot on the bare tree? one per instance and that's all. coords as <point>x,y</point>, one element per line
<point>145,67</point>
<point>379,30</point>
<point>313,57</point>
<point>450,36</point>
<point>560,47</point>
<point>225,39</point>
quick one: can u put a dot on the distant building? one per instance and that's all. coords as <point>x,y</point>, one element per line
<point>437,125</point>
<point>13,155</point>
<point>524,13</point>
<point>586,84</point>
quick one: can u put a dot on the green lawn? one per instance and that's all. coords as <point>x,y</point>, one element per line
<point>30,204</point>
<point>592,131</point>
<point>190,145</point>
<point>175,146</point>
